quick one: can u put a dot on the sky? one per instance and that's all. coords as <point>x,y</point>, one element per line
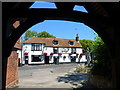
<point>61,28</point>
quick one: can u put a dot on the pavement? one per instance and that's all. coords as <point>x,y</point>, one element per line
<point>51,76</point>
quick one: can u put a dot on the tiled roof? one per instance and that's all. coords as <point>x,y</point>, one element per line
<point>49,42</point>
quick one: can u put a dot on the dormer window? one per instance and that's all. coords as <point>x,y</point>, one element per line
<point>71,43</point>
<point>55,42</point>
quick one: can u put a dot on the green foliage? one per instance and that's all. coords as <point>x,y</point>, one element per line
<point>29,34</point>
<point>45,34</point>
<point>87,43</point>
<point>101,60</point>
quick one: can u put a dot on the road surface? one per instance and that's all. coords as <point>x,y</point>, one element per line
<point>50,76</point>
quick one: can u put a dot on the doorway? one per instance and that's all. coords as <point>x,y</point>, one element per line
<point>46,59</point>
<point>73,59</point>
<point>56,60</point>
<point>26,59</point>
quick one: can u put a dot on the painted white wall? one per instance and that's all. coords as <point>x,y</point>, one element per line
<point>25,48</point>
<point>62,60</point>
<point>83,59</point>
<point>19,55</point>
<point>48,50</point>
<point>51,60</point>
<point>64,50</point>
<point>35,53</point>
<point>78,50</point>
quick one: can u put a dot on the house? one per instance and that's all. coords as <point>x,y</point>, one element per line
<point>51,50</point>
<point>18,45</point>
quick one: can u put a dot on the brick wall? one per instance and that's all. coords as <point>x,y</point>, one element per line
<point>12,69</point>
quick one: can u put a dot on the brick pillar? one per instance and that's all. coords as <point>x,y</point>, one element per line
<point>12,69</point>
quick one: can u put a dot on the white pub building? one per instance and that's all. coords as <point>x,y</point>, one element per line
<point>52,50</point>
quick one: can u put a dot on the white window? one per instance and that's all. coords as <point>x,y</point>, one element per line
<point>36,47</point>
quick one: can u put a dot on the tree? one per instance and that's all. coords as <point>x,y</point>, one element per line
<point>45,34</point>
<point>87,44</point>
<point>29,34</point>
<point>101,65</point>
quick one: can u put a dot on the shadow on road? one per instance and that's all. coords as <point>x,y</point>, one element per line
<point>78,80</point>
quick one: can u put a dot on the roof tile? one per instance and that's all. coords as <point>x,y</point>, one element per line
<point>49,42</point>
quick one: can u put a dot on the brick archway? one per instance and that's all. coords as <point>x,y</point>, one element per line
<point>103,22</point>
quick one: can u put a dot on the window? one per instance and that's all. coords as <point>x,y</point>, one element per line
<point>55,42</point>
<point>64,50</point>
<point>37,58</point>
<point>71,43</point>
<point>73,50</point>
<point>36,47</point>
<point>55,50</point>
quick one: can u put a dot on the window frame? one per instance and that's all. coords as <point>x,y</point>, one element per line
<point>70,43</point>
<point>54,48</point>
<point>33,56</point>
<point>54,42</point>
<point>73,50</point>
<point>36,47</point>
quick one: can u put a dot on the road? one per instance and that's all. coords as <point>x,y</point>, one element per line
<point>46,66</point>
<point>50,76</point>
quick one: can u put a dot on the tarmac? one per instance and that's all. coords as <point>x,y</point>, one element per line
<point>63,77</point>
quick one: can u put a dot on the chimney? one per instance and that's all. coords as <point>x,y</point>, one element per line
<point>77,37</point>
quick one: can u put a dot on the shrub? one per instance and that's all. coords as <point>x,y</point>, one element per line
<point>101,62</point>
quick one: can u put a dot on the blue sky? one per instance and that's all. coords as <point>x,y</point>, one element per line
<point>63,29</point>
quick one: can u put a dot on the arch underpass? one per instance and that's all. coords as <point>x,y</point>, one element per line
<point>101,17</point>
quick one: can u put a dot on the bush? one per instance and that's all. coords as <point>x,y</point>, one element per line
<point>101,62</point>
<point>82,69</point>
